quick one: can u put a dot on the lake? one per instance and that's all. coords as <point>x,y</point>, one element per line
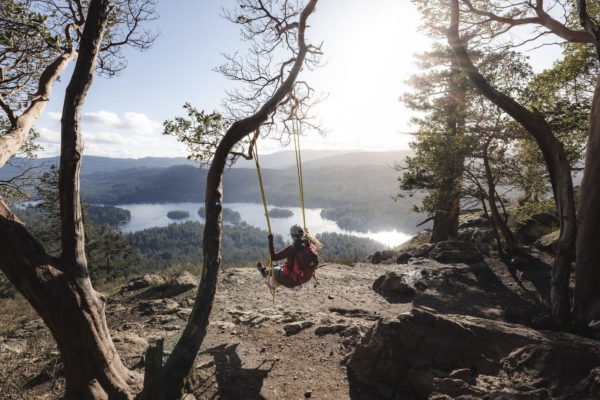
<point>145,216</point>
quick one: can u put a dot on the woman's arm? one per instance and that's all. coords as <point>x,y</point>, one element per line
<point>277,256</point>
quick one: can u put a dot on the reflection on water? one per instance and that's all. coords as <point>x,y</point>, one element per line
<point>145,216</point>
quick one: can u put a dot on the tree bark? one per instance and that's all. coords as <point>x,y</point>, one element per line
<point>21,125</point>
<point>445,221</point>
<point>180,362</point>
<point>556,161</point>
<point>586,301</point>
<point>59,288</point>
<point>70,308</point>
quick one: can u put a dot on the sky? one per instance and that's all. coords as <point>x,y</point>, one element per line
<point>368,50</point>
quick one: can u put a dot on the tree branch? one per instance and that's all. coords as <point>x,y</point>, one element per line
<point>542,18</point>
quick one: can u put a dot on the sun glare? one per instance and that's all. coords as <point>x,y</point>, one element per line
<point>368,54</point>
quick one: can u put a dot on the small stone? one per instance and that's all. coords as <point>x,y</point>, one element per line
<point>308,393</point>
<point>205,365</point>
<point>330,297</point>
<point>171,327</point>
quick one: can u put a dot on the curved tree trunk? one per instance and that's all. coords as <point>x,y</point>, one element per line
<point>586,302</point>
<point>59,289</point>
<point>556,161</point>
<point>70,308</point>
<point>21,125</point>
<point>181,360</point>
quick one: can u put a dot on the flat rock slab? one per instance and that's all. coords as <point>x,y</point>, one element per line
<point>427,355</point>
<point>295,327</point>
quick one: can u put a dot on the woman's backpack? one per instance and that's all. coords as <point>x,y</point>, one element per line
<point>305,263</point>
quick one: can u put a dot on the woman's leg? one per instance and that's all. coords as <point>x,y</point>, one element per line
<point>282,279</point>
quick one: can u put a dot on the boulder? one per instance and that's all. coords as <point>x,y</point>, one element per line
<point>129,344</point>
<point>152,307</point>
<point>391,282</point>
<point>546,242</point>
<point>536,226</point>
<point>380,256</point>
<point>475,235</point>
<point>402,258</point>
<point>181,284</point>
<point>421,353</point>
<point>143,282</point>
<point>473,220</point>
<point>455,252</point>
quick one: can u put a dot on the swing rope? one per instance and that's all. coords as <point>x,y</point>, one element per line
<point>296,134</point>
<point>262,191</point>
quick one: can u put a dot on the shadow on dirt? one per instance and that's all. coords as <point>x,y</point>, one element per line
<point>517,294</point>
<point>234,381</point>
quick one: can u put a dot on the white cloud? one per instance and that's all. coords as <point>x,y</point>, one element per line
<point>130,122</point>
<point>140,123</point>
<point>54,116</point>
<point>103,118</point>
<point>129,135</point>
<point>49,136</point>
<point>107,138</point>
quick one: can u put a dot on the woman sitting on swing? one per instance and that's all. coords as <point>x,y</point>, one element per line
<point>302,260</point>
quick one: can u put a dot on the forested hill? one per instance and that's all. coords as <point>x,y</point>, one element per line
<point>355,188</point>
<point>359,198</point>
<point>324,187</point>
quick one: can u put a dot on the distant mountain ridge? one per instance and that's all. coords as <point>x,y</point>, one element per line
<point>279,160</point>
<point>376,158</point>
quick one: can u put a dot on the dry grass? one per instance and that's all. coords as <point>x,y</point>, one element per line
<point>14,313</point>
<point>414,242</point>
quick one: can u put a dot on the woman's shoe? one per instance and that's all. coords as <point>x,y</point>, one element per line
<point>261,269</point>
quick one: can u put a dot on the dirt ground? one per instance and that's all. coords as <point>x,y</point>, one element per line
<point>252,350</point>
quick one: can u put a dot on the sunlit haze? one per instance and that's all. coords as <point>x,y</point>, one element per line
<point>368,50</point>
<point>368,53</point>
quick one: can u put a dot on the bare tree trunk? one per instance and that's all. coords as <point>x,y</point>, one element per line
<point>21,125</point>
<point>181,360</point>
<point>556,161</point>
<point>586,307</point>
<point>445,222</point>
<point>586,302</point>
<point>509,237</point>
<point>70,308</point>
<point>60,289</point>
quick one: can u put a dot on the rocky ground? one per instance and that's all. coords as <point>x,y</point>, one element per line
<point>443,321</point>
